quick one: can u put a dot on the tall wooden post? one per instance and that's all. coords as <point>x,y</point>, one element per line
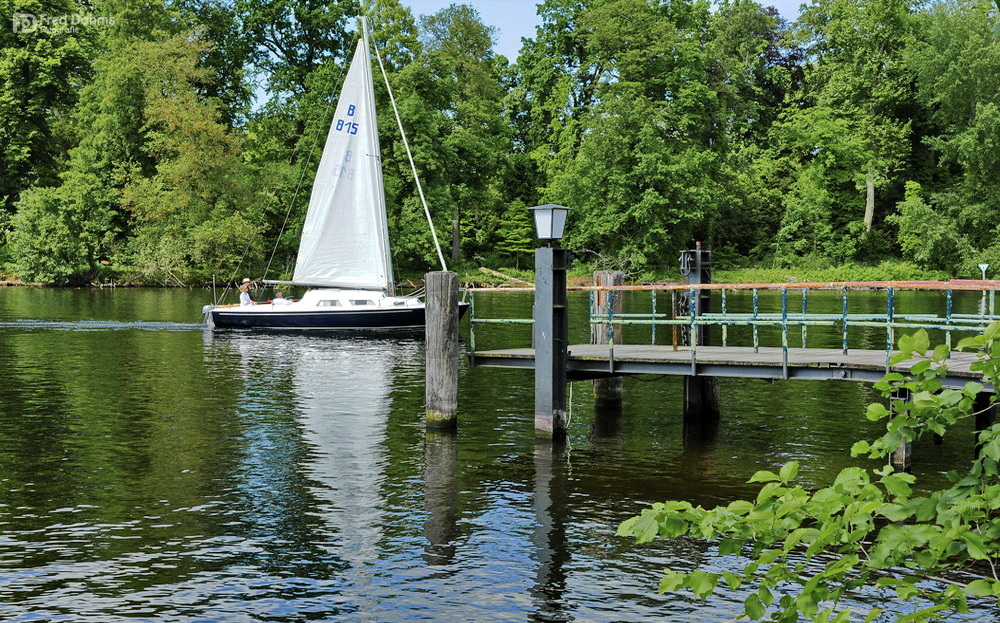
<point>441,382</point>
<point>551,341</point>
<point>701,393</point>
<point>607,391</point>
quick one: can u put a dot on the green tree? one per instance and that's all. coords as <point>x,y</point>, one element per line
<point>41,72</point>
<point>860,74</point>
<point>957,64</point>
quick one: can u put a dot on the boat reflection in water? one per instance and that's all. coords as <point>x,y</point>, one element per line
<point>317,409</point>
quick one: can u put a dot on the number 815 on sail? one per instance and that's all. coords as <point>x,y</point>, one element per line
<point>350,126</point>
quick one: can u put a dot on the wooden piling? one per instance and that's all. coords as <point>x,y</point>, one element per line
<point>902,458</point>
<point>441,374</point>
<point>701,393</point>
<point>607,391</point>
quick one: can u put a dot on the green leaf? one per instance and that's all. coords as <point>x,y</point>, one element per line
<point>970,343</point>
<point>896,486</point>
<point>860,447</point>
<point>974,543</point>
<point>740,507</point>
<point>671,581</point>
<point>764,476</point>
<point>992,331</point>
<point>941,352</point>
<point>701,583</point>
<point>733,581</point>
<point>874,614</point>
<point>728,547</point>
<point>920,367</point>
<point>789,471</point>
<point>876,411</point>
<point>754,608</point>
<point>907,591</point>
<point>979,588</point>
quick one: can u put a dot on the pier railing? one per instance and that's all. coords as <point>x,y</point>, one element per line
<point>687,322</point>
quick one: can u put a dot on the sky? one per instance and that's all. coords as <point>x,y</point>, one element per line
<point>518,18</point>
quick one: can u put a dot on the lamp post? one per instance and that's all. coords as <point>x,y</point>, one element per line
<point>551,323</point>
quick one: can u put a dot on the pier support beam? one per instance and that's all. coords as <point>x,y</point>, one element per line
<point>551,341</point>
<point>441,384</point>
<point>701,393</point>
<point>902,459</point>
<point>607,392</point>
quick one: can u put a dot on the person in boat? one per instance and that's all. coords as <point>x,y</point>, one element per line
<point>245,293</point>
<point>279,298</point>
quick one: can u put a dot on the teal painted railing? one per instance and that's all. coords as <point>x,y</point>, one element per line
<point>783,319</point>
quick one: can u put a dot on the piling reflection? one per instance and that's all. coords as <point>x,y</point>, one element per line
<point>607,424</point>
<point>550,503</point>
<point>440,496</point>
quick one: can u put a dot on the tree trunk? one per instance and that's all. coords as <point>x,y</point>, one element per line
<point>870,202</point>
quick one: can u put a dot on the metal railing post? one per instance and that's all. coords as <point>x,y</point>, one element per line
<point>472,327</point>
<point>889,332</point>
<point>843,319</point>
<point>756,339</point>
<point>611,330</point>
<point>693,328</point>
<point>805,306</point>
<point>725,325</point>
<point>654,317</point>
<point>674,328</point>
<point>784,333</point>
<point>948,304</point>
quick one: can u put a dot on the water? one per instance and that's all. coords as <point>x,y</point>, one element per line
<point>153,470</point>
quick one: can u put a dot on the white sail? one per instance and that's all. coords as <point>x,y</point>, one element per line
<point>345,239</point>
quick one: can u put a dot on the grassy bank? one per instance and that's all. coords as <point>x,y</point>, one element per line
<point>580,274</point>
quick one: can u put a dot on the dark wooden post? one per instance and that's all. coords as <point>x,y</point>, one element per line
<point>551,341</point>
<point>902,458</point>
<point>701,393</point>
<point>441,382</point>
<point>607,391</point>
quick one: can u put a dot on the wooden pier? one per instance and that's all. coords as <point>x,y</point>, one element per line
<point>592,361</point>
<point>695,331</point>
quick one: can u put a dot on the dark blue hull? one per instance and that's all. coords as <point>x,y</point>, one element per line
<point>386,318</point>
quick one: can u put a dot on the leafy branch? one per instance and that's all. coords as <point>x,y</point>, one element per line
<point>867,529</point>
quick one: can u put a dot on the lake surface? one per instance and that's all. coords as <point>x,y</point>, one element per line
<point>152,470</point>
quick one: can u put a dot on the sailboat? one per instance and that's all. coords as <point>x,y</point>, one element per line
<point>344,254</point>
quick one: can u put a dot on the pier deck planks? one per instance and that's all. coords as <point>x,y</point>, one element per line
<point>592,360</point>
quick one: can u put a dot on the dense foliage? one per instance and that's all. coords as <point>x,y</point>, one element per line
<point>808,552</point>
<point>176,141</point>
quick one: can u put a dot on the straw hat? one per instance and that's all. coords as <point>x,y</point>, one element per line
<point>246,280</point>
